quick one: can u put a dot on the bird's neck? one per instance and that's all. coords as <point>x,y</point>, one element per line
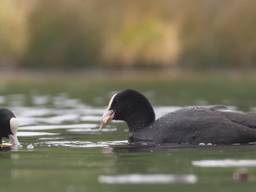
<point>139,121</point>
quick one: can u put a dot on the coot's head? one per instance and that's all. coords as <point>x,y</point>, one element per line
<point>8,126</point>
<point>129,106</point>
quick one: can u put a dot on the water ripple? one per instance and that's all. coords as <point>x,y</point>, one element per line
<point>54,127</point>
<point>148,179</point>
<point>225,163</point>
<point>82,144</point>
<point>34,134</point>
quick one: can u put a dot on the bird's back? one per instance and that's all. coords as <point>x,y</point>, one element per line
<point>202,125</point>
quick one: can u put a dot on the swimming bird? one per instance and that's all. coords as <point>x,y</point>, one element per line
<point>8,126</point>
<point>189,125</point>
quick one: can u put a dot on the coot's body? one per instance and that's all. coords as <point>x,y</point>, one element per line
<point>200,125</point>
<point>191,125</point>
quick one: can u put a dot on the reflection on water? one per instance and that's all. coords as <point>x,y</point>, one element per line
<point>225,163</point>
<point>66,117</point>
<point>34,134</point>
<point>87,126</point>
<point>147,179</point>
<point>81,144</point>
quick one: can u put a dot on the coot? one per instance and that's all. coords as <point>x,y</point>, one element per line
<point>189,125</point>
<point>8,126</point>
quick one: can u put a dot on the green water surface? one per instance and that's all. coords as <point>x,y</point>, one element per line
<point>66,169</point>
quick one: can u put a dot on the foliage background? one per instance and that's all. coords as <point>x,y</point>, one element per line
<point>64,34</point>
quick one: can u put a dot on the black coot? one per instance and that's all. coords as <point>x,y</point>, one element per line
<point>190,125</point>
<point>8,127</point>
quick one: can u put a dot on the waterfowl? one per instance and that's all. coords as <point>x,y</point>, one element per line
<point>8,127</point>
<point>189,125</point>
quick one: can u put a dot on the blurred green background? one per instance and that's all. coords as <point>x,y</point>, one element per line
<point>93,34</point>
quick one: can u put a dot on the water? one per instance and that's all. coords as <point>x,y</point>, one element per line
<point>64,150</point>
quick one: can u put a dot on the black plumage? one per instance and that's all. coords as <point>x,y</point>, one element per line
<point>192,125</point>
<point>5,116</point>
